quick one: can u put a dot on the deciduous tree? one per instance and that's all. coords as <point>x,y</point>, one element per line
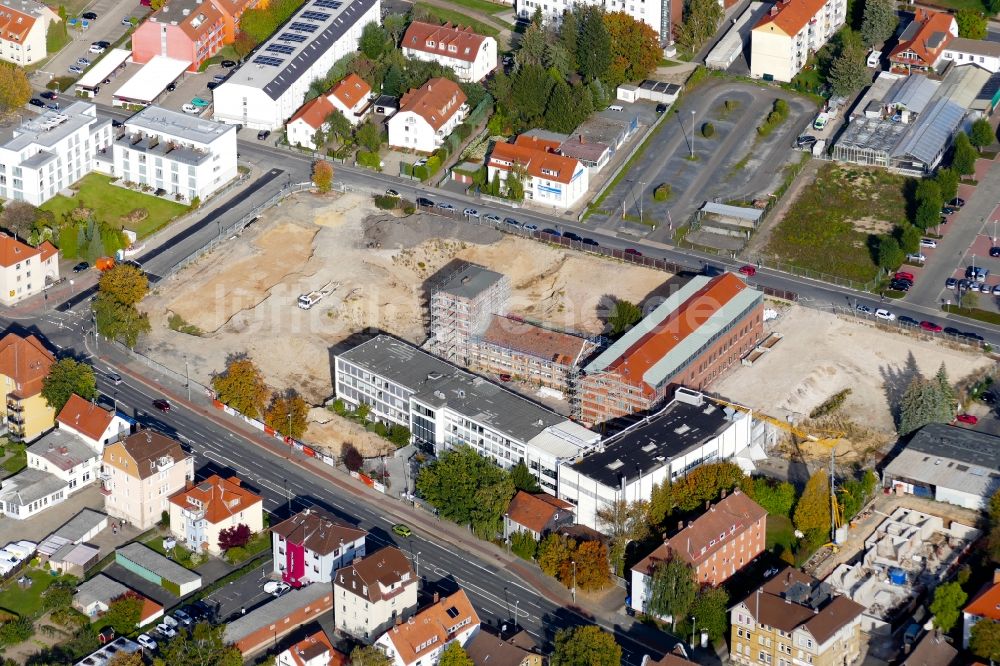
<point>586,645</point>
<point>964,158</point>
<point>395,26</point>
<point>468,489</point>
<point>66,377</point>
<point>890,254</point>
<point>947,181</point>
<point>322,175</point>
<point>454,655</point>
<point>701,20</point>
<point>369,136</point>
<point>369,655</point>
<point>879,22</point>
<point>15,89</point>
<point>985,641</point>
<point>971,24</point>
<point>125,283</point>
<point>524,545</point>
<point>634,46</point>
<point>623,522</point>
<point>592,572</point>
<point>243,44</point>
<point>523,478</point>
<point>706,483</point>
<point>374,41</point>
<point>711,611</point>
<point>353,460</point>
<point>202,646</point>
<point>981,133</point>
<point>288,414</point>
<point>554,552</point>
<point>19,218</point>
<point>127,659</point>
<point>119,321</point>
<point>672,589</point>
<point>124,613</point>
<point>812,513</point>
<point>236,536</point>
<point>947,605</point>
<point>241,386</point>
<point>776,497</point>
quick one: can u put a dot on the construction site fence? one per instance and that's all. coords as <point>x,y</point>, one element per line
<point>908,327</point>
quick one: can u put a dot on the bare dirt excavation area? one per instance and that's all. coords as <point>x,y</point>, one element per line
<point>242,297</point>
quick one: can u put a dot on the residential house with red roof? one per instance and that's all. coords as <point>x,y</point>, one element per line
<point>547,177</point>
<point>94,424</point>
<point>200,512</point>
<point>24,364</point>
<point>24,25</point>
<point>188,30</point>
<point>24,270</point>
<point>427,115</point>
<point>923,41</point>
<point>351,97</point>
<point>536,513</point>
<point>422,638</point>
<point>986,606</point>
<point>690,339</point>
<point>310,546</point>
<point>374,592</point>
<point>471,56</point>
<point>717,544</point>
<point>795,619</point>
<point>313,650</point>
<point>792,30</point>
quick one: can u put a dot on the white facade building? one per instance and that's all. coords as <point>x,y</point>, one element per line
<point>267,89</point>
<point>372,592</point>
<point>783,39</point>
<point>25,270</point>
<point>688,432</point>
<point>24,25</point>
<point>91,422</point>
<point>427,116</point>
<point>351,97</point>
<point>67,457</point>
<point>472,56</point>
<point>311,545</point>
<point>177,153</point>
<point>51,152</point>
<point>445,406</point>
<point>548,178</point>
<point>978,52</point>
<point>657,14</point>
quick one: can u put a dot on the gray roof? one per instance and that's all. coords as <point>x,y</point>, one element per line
<point>930,135</point>
<point>913,92</point>
<point>274,611</point>
<point>80,525</point>
<point>149,559</point>
<point>468,282</point>
<point>30,485</point>
<point>51,127</point>
<point>974,46</point>
<point>276,79</point>
<point>62,449</point>
<point>950,457</point>
<point>184,126</point>
<point>436,382</point>
<point>655,441</point>
<point>100,588</point>
<point>737,212</point>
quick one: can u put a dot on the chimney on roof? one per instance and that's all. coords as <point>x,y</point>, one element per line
<point>437,597</point>
<point>399,620</point>
<point>723,494</point>
<point>708,504</point>
<point>774,10</point>
<point>680,525</point>
<point>996,576</point>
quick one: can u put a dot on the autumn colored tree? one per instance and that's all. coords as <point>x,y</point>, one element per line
<point>125,283</point>
<point>812,513</point>
<point>236,536</point>
<point>15,90</point>
<point>241,386</point>
<point>705,483</point>
<point>368,655</point>
<point>353,460</point>
<point>554,552</point>
<point>592,572</point>
<point>127,659</point>
<point>624,522</point>
<point>586,645</point>
<point>243,44</point>
<point>635,49</point>
<point>288,414</point>
<point>124,613</point>
<point>322,175</point>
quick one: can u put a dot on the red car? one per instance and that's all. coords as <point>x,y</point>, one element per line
<point>967,418</point>
<point>748,270</point>
<point>162,405</point>
<point>903,275</point>
<point>634,252</point>
<point>930,326</point>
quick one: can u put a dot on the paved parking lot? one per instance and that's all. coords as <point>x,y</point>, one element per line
<point>244,594</point>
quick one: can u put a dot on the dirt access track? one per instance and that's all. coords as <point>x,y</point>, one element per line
<point>242,297</point>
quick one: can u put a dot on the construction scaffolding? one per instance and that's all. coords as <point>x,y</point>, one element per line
<point>462,301</point>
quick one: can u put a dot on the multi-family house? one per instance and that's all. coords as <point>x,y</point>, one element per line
<point>924,41</point>
<point>24,25</point>
<point>547,177</point>
<point>661,15</point>
<point>471,56</point>
<point>984,607</point>
<point>795,619</point>
<point>422,638</point>
<point>200,512</point>
<point>350,96</point>
<point>25,270</point>
<point>487,648</point>
<point>24,364</point>
<point>311,545</point>
<point>313,650</point>
<point>139,474</point>
<point>188,30</point>
<point>94,424</point>
<point>67,457</point>
<point>373,593</point>
<point>50,152</point>
<point>783,39</point>
<point>536,513</point>
<point>181,155</point>
<point>427,115</point>
<point>717,544</point>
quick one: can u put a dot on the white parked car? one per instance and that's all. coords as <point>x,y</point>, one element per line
<point>916,257</point>
<point>276,587</point>
<point>471,212</point>
<point>191,108</point>
<point>882,313</point>
<point>170,622</point>
<point>165,630</point>
<point>996,290</point>
<point>928,242</point>
<point>146,641</point>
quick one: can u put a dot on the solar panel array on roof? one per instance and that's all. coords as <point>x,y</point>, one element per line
<point>315,16</point>
<point>280,48</point>
<point>303,27</point>
<point>267,60</point>
<point>292,37</point>
<point>328,4</point>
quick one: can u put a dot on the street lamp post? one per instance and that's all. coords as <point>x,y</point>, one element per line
<point>573,562</point>
<point>692,133</point>
<point>187,378</point>
<point>694,623</point>
<point>418,564</point>
<point>517,602</point>
<point>288,496</point>
<point>642,187</point>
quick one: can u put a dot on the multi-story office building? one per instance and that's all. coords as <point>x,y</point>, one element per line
<point>471,56</point>
<point>176,153</point>
<point>795,619</point>
<point>784,38</point>
<point>272,84</point>
<point>24,25</point>
<point>51,152</point>
<point>445,406</point>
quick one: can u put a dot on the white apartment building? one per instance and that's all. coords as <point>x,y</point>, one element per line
<point>549,178</point>
<point>370,594</point>
<point>51,152</point>
<point>351,97</point>
<point>422,638</point>
<point>660,15</point>
<point>268,88</point>
<point>782,40</point>
<point>445,406</point>
<point>67,457</point>
<point>176,153</point>
<point>427,116</point>
<point>25,270</point>
<point>311,545</point>
<point>472,56</point>
<point>201,512</point>
<point>978,52</point>
<point>24,25</point>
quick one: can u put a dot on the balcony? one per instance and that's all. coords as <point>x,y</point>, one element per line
<point>105,490</point>
<point>14,405</point>
<point>15,417</point>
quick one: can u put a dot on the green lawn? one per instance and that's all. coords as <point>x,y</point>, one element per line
<point>780,532</point>
<point>442,14</point>
<point>484,6</point>
<point>26,602</point>
<point>110,203</point>
<point>226,53</point>
<point>955,5</point>
<point>56,38</point>
<point>829,227</point>
<point>17,458</point>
